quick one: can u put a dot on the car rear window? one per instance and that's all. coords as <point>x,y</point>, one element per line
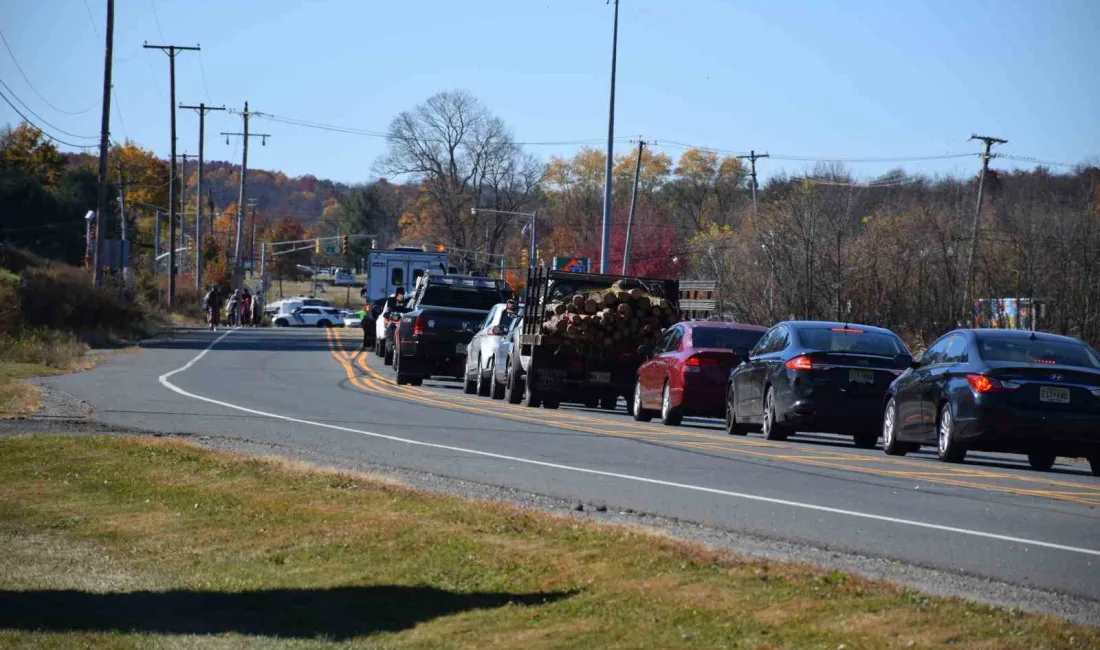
<point>1026,350</point>
<point>853,340</point>
<point>720,337</point>
<point>462,297</point>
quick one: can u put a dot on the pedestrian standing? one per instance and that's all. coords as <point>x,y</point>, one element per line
<point>231,306</point>
<point>257,310</point>
<point>246,308</point>
<point>212,305</point>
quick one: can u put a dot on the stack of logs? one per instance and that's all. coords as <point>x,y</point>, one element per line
<point>618,317</point>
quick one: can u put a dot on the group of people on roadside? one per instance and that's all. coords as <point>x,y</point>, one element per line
<point>241,308</point>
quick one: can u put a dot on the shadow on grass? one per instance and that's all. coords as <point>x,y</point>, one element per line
<point>338,613</point>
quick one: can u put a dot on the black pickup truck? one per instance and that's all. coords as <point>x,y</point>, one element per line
<point>446,311</point>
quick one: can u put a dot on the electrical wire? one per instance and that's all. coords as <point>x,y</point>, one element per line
<point>156,17</point>
<point>52,126</point>
<point>27,79</point>
<point>1037,161</point>
<point>40,130</point>
<point>91,19</point>
<point>202,71</point>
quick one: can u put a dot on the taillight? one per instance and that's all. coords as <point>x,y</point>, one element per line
<point>983,384</point>
<point>418,326</point>
<point>800,363</point>
<point>695,364</point>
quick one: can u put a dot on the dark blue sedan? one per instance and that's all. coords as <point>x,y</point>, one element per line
<point>816,376</point>
<point>999,390</point>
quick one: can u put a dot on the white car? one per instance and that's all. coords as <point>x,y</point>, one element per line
<point>309,316</point>
<point>351,318</point>
<point>481,353</point>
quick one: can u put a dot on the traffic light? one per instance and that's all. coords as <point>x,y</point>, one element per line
<point>317,246</point>
<point>524,256</point>
<point>344,245</point>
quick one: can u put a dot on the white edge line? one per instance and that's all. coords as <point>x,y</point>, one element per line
<point>627,477</point>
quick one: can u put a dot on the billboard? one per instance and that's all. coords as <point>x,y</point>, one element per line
<point>574,264</point>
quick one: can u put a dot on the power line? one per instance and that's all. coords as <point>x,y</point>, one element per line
<point>40,130</point>
<point>777,156</point>
<point>91,19</point>
<point>27,79</point>
<point>202,71</point>
<point>1038,161</point>
<point>52,126</point>
<point>156,17</point>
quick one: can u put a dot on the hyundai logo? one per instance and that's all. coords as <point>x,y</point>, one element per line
<point>1056,377</point>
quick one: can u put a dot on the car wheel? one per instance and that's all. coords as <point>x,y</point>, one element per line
<point>639,412</point>
<point>469,386</point>
<point>671,416</point>
<point>482,384</point>
<point>388,353</point>
<point>1041,462</point>
<point>733,427</point>
<point>592,402</point>
<point>497,391</point>
<point>551,402</point>
<point>378,349</point>
<point>281,322</point>
<point>890,443</point>
<point>1094,465</point>
<point>609,402</point>
<point>513,390</point>
<point>772,429</point>
<point>401,379</point>
<point>947,447</point>
<point>866,440</point>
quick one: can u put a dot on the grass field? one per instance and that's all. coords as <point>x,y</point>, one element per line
<point>119,542</point>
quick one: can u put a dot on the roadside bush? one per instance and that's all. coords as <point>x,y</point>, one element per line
<point>41,346</point>
<point>11,315</point>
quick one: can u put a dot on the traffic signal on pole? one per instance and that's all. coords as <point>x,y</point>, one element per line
<point>344,245</point>
<point>317,246</point>
<point>524,256</point>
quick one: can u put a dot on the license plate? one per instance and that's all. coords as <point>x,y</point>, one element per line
<point>460,348</point>
<point>1054,395</point>
<point>861,376</point>
<point>601,377</point>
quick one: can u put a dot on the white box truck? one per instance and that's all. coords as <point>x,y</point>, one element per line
<point>400,267</point>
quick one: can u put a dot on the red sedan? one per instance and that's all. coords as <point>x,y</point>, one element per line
<point>687,372</point>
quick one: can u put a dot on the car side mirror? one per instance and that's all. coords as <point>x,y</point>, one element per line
<point>645,351</point>
<point>914,363</point>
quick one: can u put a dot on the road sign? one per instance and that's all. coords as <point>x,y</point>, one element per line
<point>332,250</point>
<point>574,264</point>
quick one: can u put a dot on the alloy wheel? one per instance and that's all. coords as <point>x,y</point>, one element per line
<point>944,439</point>
<point>888,424</point>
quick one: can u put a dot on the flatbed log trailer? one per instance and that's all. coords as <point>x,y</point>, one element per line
<point>558,368</point>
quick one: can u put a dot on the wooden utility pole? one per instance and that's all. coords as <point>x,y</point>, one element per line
<point>182,243</point>
<point>171,51</point>
<point>608,209</point>
<point>202,109</point>
<point>968,287</point>
<point>633,203</point>
<point>752,159</point>
<point>238,250</point>
<point>104,139</point>
<point>122,261</point>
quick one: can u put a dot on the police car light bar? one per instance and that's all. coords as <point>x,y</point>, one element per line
<point>481,283</point>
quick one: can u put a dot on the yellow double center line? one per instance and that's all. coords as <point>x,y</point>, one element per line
<point>372,381</point>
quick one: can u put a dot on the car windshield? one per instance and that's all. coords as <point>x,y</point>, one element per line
<point>720,337</point>
<point>462,297</point>
<point>507,318</point>
<point>1046,352</point>
<point>852,340</point>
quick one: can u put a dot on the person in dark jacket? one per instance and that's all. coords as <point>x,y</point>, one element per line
<point>212,305</point>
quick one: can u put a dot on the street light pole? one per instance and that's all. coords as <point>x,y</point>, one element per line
<point>533,216</point>
<point>605,241</point>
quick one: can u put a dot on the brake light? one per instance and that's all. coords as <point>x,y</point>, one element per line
<point>1047,362</point>
<point>800,363</point>
<point>983,384</point>
<point>695,364</point>
<point>418,326</point>
<point>847,330</point>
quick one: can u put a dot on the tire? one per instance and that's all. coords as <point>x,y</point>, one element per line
<point>1094,465</point>
<point>497,391</point>
<point>401,378</point>
<point>609,402</point>
<point>671,416</point>
<point>469,386</point>
<point>733,427</point>
<point>378,349</point>
<point>531,396</point>
<point>388,353</point>
<point>772,429</point>
<point>281,322</point>
<point>551,402</point>
<point>640,413</point>
<point>866,439</point>
<point>948,449</point>
<point>591,402</point>
<point>513,390</point>
<point>891,446</point>
<point>1041,462</point>
<point>323,323</point>
<point>483,387</point>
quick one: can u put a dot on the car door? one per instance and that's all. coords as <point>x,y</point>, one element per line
<point>748,379</point>
<point>667,361</point>
<point>308,316</point>
<point>650,371</point>
<point>774,369</point>
<point>932,378</point>
<point>504,350</point>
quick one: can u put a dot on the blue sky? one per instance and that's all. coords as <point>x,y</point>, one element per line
<point>828,78</point>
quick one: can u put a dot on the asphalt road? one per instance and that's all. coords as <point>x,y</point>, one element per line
<point>990,517</point>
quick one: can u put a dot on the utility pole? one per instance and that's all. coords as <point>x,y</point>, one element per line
<point>122,261</point>
<point>171,51</point>
<point>237,249</point>
<point>968,287</point>
<point>633,202</point>
<point>605,241</point>
<point>252,240</point>
<point>752,158</point>
<point>183,210</point>
<point>202,109</point>
<point>104,137</point>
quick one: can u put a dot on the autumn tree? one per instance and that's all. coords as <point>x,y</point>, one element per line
<point>27,150</point>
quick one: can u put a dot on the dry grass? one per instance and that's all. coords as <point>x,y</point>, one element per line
<point>213,548</point>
